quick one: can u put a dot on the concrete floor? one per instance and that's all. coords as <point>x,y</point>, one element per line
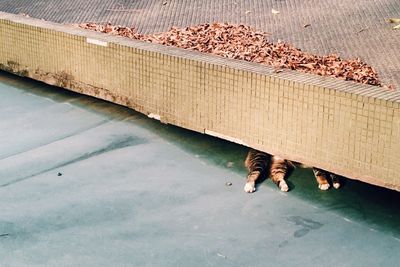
<point>84,182</point>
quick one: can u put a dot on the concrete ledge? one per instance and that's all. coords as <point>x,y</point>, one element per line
<point>344,127</point>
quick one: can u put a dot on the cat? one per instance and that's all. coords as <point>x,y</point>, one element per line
<point>258,163</point>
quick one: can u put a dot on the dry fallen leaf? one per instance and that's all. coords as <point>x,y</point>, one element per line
<point>220,255</point>
<point>274,11</point>
<point>389,87</point>
<point>395,20</point>
<point>361,30</point>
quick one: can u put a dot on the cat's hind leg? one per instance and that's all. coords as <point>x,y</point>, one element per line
<point>256,162</point>
<point>335,180</point>
<point>278,170</point>
<point>321,177</point>
<point>250,185</point>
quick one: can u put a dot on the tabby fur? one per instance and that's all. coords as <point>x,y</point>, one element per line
<point>261,164</point>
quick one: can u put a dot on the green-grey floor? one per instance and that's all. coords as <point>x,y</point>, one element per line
<point>87,183</point>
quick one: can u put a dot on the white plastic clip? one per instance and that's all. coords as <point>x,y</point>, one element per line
<point>96,42</point>
<point>154,116</point>
<point>222,136</point>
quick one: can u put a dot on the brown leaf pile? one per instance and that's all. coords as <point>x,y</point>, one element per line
<point>239,41</point>
<point>111,29</point>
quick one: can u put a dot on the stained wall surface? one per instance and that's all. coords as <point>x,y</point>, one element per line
<point>343,127</point>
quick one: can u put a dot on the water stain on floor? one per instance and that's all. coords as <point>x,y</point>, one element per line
<point>306,225</point>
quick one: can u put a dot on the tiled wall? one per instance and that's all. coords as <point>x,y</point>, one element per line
<point>347,128</point>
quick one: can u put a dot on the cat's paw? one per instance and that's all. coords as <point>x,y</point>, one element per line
<point>283,186</point>
<point>336,185</point>
<point>249,187</point>
<point>324,186</point>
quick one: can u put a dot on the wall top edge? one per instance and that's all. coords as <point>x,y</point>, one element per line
<point>288,75</point>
